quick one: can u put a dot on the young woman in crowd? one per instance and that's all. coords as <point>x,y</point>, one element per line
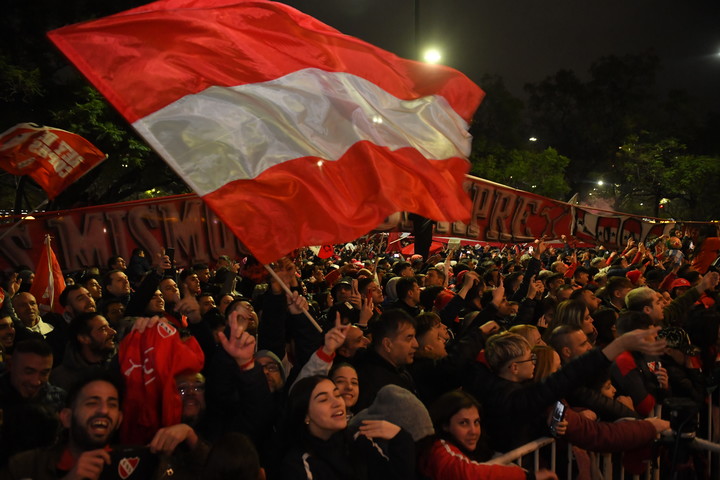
<point>574,312</point>
<point>458,448</point>
<point>321,448</point>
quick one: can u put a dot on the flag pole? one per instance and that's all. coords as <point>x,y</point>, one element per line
<point>287,290</point>
<point>50,269</point>
<point>40,205</point>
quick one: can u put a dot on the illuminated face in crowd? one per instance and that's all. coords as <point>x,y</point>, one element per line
<point>79,301</point>
<point>326,411</point>
<point>346,379</point>
<point>94,288</point>
<point>464,427</point>
<point>119,284</point>
<point>95,415</point>
<point>169,290</point>
<point>7,333</point>
<point>29,373</point>
<point>26,308</point>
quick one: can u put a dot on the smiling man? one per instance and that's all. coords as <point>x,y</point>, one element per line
<point>91,417</point>
<point>91,344</point>
<point>28,402</point>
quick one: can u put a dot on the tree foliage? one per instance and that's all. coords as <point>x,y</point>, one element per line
<point>671,181</point>
<point>540,172</point>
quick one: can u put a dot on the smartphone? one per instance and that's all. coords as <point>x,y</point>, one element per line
<point>170,252</point>
<point>557,416</point>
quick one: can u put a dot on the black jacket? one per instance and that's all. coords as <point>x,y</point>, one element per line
<point>518,409</point>
<point>344,458</point>
<point>374,372</point>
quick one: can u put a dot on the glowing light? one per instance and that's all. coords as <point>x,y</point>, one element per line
<point>432,55</point>
<point>29,217</point>
<point>533,139</point>
<point>320,163</point>
<point>601,183</point>
<point>377,119</point>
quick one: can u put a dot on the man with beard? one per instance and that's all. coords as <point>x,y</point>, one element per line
<point>91,418</point>
<point>92,344</point>
<point>75,299</point>
<point>7,337</point>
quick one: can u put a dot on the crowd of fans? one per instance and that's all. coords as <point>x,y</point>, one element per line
<point>420,368</point>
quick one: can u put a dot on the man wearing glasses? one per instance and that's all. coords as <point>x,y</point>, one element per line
<point>519,406</point>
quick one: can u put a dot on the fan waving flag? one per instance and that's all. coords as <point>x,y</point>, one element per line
<point>52,157</point>
<point>293,133</point>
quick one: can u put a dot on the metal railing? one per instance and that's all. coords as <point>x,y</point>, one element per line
<point>603,465</point>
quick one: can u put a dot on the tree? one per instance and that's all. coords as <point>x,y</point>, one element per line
<point>663,175</point>
<point>37,85</point>
<point>541,172</point>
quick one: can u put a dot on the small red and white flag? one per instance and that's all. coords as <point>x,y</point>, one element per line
<point>292,132</point>
<point>49,281</point>
<point>52,157</point>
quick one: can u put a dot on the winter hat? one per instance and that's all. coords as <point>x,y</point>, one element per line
<point>400,407</point>
<point>679,282</point>
<point>634,276</point>
<point>391,289</point>
<point>274,358</point>
<point>443,299</point>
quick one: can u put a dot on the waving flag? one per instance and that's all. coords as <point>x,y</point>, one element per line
<point>52,157</point>
<point>49,281</point>
<point>292,132</point>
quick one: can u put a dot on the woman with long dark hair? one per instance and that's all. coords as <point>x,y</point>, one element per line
<point>321,448</point>
<point>458,448</point>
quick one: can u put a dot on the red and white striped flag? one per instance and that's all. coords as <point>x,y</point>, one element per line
<point>52,157</point>
<point>292,132</point>
<point>49,281</point>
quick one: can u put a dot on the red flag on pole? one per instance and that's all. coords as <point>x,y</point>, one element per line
<point>49,281</point>
<point>292,132</point>
<point>52,157</point>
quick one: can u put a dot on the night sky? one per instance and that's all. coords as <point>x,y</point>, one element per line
<point>525,41</point>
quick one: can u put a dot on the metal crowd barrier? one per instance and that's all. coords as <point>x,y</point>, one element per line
<point>603,466</point>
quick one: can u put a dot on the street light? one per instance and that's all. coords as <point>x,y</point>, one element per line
<point>432,55</point>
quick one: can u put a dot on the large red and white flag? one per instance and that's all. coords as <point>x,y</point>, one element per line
<point>292,132</point>
<point>49,281</point>
<point>52,157</point>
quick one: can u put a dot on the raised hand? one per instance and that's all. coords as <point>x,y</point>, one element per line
<point>355,297</point>
<point>241,345</point>
<point>336,336</point>
<point>188,305</point>
<point>296,303</point>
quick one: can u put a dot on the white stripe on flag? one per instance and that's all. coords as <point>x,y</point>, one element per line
<point>232,133</point>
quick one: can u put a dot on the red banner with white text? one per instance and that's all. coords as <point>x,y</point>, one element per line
<point>89,236</point>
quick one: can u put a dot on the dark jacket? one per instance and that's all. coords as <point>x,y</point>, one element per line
<point>518,409</point>
<point>344,458</point>
<point>374,372</point>
<point>607,409</point>
<point>434,377</point>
